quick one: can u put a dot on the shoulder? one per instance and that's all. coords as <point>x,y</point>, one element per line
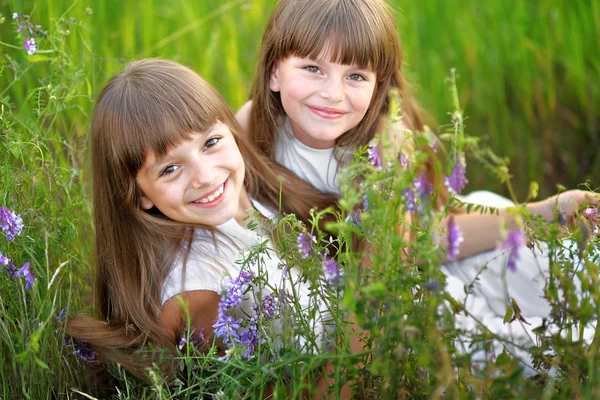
<point>243,115</point>
<point>202,306</point>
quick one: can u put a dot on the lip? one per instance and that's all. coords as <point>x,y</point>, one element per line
<point>215,201</point>
<point>326,112</point>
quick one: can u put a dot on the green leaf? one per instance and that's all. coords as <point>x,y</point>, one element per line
<point>509,314</point>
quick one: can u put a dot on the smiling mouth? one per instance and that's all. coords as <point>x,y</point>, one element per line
<point>327,112</point>
<point>212,197</point>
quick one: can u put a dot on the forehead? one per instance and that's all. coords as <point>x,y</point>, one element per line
<point>152,159</point>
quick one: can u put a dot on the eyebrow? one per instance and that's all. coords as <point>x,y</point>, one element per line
<point>166,159</point>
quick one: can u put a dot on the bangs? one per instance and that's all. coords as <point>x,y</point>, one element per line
<point>153,115</point>
<point>351,34</point>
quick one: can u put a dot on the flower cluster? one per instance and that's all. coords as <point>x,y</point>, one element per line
<point>373,154</point>
<point>457,180</point>
<point>12,226</point>
<point>592,215</point>
<point>27,30</point>
<point>84,351</point>
<point>305,242</point>
<point>455,238</point>
<point>11,223</point>
<point>514,241</point>
<point>418,194</point>
<point>233,330</point>
<point>331,271</point>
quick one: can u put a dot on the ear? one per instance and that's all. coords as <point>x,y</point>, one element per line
<point>274,78</point>
<point>147,204</point>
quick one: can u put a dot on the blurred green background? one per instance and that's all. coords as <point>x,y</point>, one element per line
<point>529,71</point>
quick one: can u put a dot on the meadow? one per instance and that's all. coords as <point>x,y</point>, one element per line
<point>527,86</point>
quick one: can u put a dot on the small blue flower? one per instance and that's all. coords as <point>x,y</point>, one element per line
<point>331,271</point>
<point>11,223</point>
<point>514,240</point>
<point>305,242</point>
<point>455,238</point>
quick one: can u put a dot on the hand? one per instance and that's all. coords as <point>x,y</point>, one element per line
<point>568,204</point>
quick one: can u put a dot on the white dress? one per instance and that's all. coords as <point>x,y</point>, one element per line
<point>210,266</point>
<point>491,288</point>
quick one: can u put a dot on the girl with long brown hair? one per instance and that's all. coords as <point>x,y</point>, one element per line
<point>173,183</point>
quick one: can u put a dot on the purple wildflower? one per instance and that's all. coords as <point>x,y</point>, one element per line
<point>592,215</point>
<point>423,187</point>
<point>305,242</point>
<point>418,194</point>
<point>514,240</point>
<point>433,285</point>
<point>184,340</point>
<point>3,259</point>
<point>402,160</point>
<point>411,200</point>
<point>25,271</point>
<point>12,269</point>
<point>15,16</point>
<point>226,328</point>
<point>269,306</point>
<point>84,351</point>
<point>61,313</point>
<point>455,238</point>
<point>11,223</point>
<point>30,46</point>
<point>235,291</point>
<point>457,180</point>
<point>331,271</point>
<point>374,157</point>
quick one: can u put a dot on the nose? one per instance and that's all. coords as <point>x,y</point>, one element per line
<point>202,174</point>
<point>333,89</point>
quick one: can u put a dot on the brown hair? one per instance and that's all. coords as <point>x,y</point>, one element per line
<point>360,32</point>
<point>152,105</point>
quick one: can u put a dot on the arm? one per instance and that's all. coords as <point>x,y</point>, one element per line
<point>203,307</point>
<point>243,115</point>
<point>482,231</point>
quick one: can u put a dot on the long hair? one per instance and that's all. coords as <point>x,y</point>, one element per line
<point>153,105</point>
<point>360,32</point>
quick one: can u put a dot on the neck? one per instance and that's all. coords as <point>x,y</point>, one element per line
<point>244,205</point>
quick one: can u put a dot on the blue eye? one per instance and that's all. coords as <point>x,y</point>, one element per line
<point>169,169</point>
<point>211,142</point>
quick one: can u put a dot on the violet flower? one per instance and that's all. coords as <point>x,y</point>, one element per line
<point>3,259</point>
<point>25,272</point>
<point>305,242</point>
<point>84,351</point>
<point>30,45</point>
<point>457,180</point>
<point>227,327</point>
<point>331,271</point>
<point>514,240</point>
<point>455,238</point>
<point>11,223</point>
<point>374,157</point>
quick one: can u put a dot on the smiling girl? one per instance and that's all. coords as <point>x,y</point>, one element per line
<point>173,183</point>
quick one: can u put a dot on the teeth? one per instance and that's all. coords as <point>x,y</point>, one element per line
<point>213,196</point>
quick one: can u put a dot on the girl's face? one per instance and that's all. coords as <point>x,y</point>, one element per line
<point>199,181</point>
<point>323,99</point>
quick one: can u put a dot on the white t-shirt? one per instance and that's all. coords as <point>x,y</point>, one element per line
<point>210,265</point>
<point>319,167</point>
